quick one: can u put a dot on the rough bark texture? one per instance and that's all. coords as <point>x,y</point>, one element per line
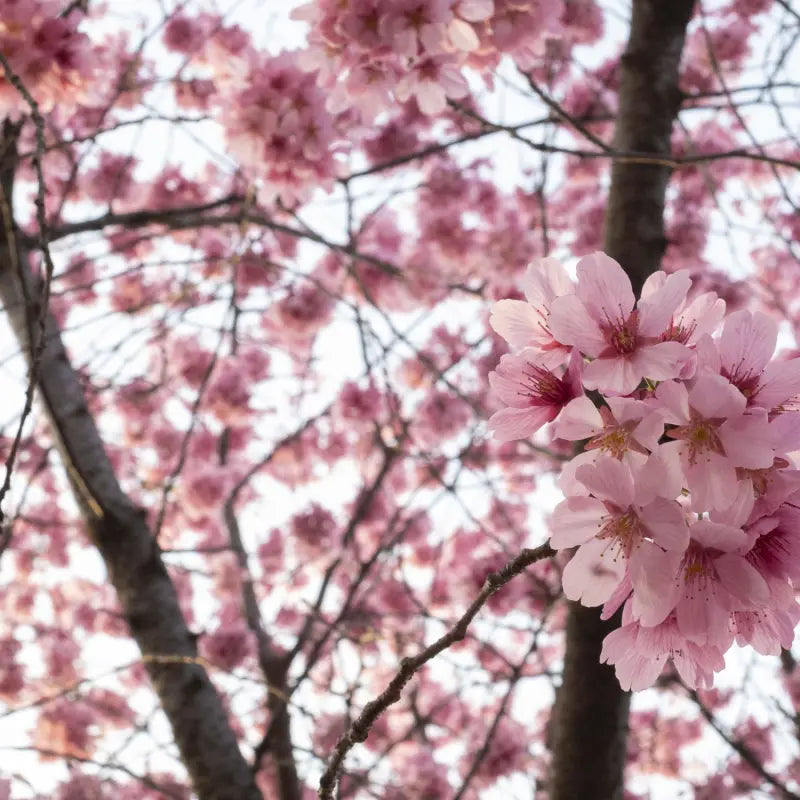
<point>589,728</point>
<point>119,529</point>
<point>649,99</point>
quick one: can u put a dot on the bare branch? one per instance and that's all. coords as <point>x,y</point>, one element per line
<point>360,728</point>
<point>743,751</point>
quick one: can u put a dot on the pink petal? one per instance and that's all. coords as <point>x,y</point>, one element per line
<point>747,342</point>
<point>700,614</point>
<point>517,322</point>
<point>431,97</point>
<point>649,430</point>
<point>673,401</point>
<point>566,481</point>
<point>618,597</point>
<point>619,375</point>
<point>707,355</point>
<point>697,665</point>
<point>506,387</point>
<point>604,288</point>
<point>712,481</point>
<point>579,419</point>
<point>660,361</point>
<point>574,521</point>
<point>657,309</point>
<point>779,383</point>
<point>608,479</point>
<point>784,432</point>
<point>519,423</point>
<point>571,324</point>
<point>666,523</point>
<point>737,512</point>
<point>717,536</point>
<point>703,314</point>
<point>742,580</point>
<point>661,476</point>
<point>476,10</point>
<point>712,396</point>
<point>656,586</point>
<point>618,644</point>
<point>637,667</point>
<point>748,441</point>
<point>654,283</point>
<point>591,576</point>
<point>462,35</point>
<point>545,279</point>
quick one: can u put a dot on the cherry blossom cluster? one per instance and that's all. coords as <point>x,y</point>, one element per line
<point>683,501</point>
<point>370,53</point>
<point>277,125</point>
<point>44,49</point>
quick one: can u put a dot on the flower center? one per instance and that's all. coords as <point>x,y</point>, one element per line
<point>700,436</point>
<point>543,388</point>
<point>678,333</point>
<point>698,573</point>
<point>614,442</point>
<point>624,532</point>
<point>621,334</point>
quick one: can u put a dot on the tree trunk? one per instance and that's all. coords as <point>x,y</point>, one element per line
<point>589,728</point>
<point>119,530</point>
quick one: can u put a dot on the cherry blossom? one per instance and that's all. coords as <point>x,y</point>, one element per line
<point>639,654</point>
<point>526,323</point>
<point>533,393</point>
<point>615,528</point>
<point>713,436</point>
<point>600,320</point>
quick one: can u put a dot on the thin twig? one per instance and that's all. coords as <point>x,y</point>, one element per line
<point>37,341</point>
<point>360,729</point>
<point>744,752</point>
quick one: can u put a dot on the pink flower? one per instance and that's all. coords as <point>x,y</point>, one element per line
<point>639,655</point>
<point>535,395</point>
<point>526,323</point>
<point>745,351</point>
<point>601,321</point>
<point>430,81</point>
<point>714,437</point>
<point>623,425</point>
<point>439,416</point>
<point>183,34</point>
<point>776,551</point>
<point>710,582</point>
<point>616,527</point>
<point>692,319</point>
<point>767,630</point>
<point>416,26</point>
<point>228,646</point>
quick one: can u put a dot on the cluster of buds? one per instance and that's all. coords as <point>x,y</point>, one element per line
<point>683,504</point>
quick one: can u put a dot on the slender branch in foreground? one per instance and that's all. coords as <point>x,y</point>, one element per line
<point>360,728</point>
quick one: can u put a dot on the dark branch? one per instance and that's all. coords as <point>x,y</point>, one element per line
<point>360,728</point>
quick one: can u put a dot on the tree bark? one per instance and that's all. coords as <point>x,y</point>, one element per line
<point>119,530</point>
<point>589,728</point>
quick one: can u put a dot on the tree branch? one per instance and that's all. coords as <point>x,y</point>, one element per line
<point>359,730</point>
<point>119,530</point>
<point>271,661</point>
<point>738,746</point>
